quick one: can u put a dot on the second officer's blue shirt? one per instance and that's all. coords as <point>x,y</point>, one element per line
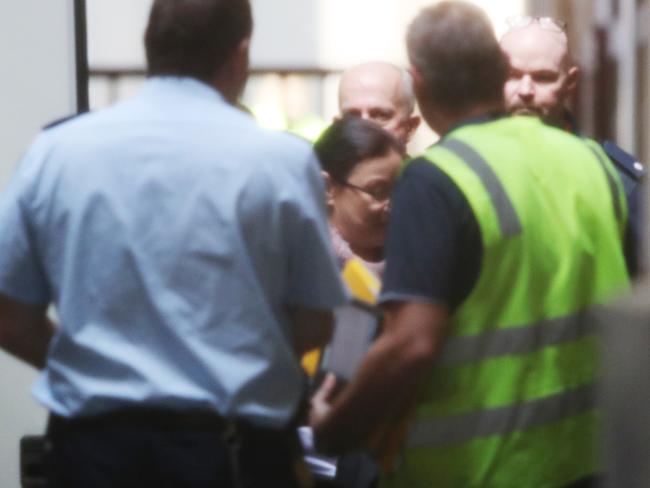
<point>172,233</point>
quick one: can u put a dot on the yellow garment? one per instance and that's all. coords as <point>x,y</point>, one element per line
<point>386,440</point>
<point>364,286</point>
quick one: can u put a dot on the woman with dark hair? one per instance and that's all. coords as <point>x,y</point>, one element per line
<point>360,162</point>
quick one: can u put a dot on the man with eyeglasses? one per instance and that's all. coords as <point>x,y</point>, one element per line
<point>542,79</point>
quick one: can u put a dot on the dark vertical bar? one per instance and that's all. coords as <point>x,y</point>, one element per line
<point>606,77</point>
<point>642,112</point>
<point>81,54</point>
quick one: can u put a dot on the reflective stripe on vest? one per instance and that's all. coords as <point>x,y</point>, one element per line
<point>508,220</point>
<point>502,420</point>
<point>516,340</point>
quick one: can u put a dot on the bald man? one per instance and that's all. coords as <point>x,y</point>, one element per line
<point>382,93</point>
<point>542,79</point>
<point>542,76</point>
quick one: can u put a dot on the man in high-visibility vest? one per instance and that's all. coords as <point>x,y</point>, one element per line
<point>502,237</point>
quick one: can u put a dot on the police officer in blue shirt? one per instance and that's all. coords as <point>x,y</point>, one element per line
<point>188,255</point>
<point>542,79</point>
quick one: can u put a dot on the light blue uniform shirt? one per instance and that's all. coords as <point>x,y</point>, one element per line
<point>171,232</point>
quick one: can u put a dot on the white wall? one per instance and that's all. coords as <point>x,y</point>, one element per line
<point>330,34</point>
<point>115,32</point>
<point>285,33</point>
<point>37,72</point>
<point>37,86</point>
<point>288,33</point>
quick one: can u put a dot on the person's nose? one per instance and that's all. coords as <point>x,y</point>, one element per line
<point>526,89</point>
<point>385,206</point>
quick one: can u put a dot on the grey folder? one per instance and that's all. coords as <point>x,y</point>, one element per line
<point>356,326</point>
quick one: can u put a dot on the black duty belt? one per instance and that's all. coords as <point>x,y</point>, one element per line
<point>158,419</point>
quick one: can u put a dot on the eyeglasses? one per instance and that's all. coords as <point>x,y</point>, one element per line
<point>379,194</point>
<point>548,23</point>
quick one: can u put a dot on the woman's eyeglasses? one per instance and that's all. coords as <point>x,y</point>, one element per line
<point>379,194</point>
<point>548,23</point>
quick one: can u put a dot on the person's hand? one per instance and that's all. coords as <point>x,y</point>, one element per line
<point>321,401</point>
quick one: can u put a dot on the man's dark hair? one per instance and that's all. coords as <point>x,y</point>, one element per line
<point>454,48</point>
<point>349,141</point>
<point>194,37</point>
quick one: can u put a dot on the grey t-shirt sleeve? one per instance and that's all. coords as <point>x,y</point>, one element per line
<point>22,275</point>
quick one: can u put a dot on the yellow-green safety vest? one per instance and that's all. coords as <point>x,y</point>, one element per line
<point>510,402</point>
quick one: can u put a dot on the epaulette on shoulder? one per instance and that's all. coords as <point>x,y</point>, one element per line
<point>624,160</point>
<point>60,121</point>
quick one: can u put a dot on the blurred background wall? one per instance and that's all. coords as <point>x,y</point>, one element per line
<point>299,49</point>
<point>37,85</point>
<point>609,39</point>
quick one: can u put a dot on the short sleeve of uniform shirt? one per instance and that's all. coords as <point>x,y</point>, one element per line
<point>433,247</point>
<point>314,280</point>
<point>21,272</point>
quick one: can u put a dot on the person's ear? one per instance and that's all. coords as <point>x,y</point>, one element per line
<point>329,190</point>
<point>231,79</point>
<point>241,59</point>
<point>413,122</point>
<point>416,76</point>
<point>571,81</point>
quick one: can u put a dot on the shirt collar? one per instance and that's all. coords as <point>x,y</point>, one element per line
<point>479,119</point>
<point>186,85</point>
<point>570,123</point>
